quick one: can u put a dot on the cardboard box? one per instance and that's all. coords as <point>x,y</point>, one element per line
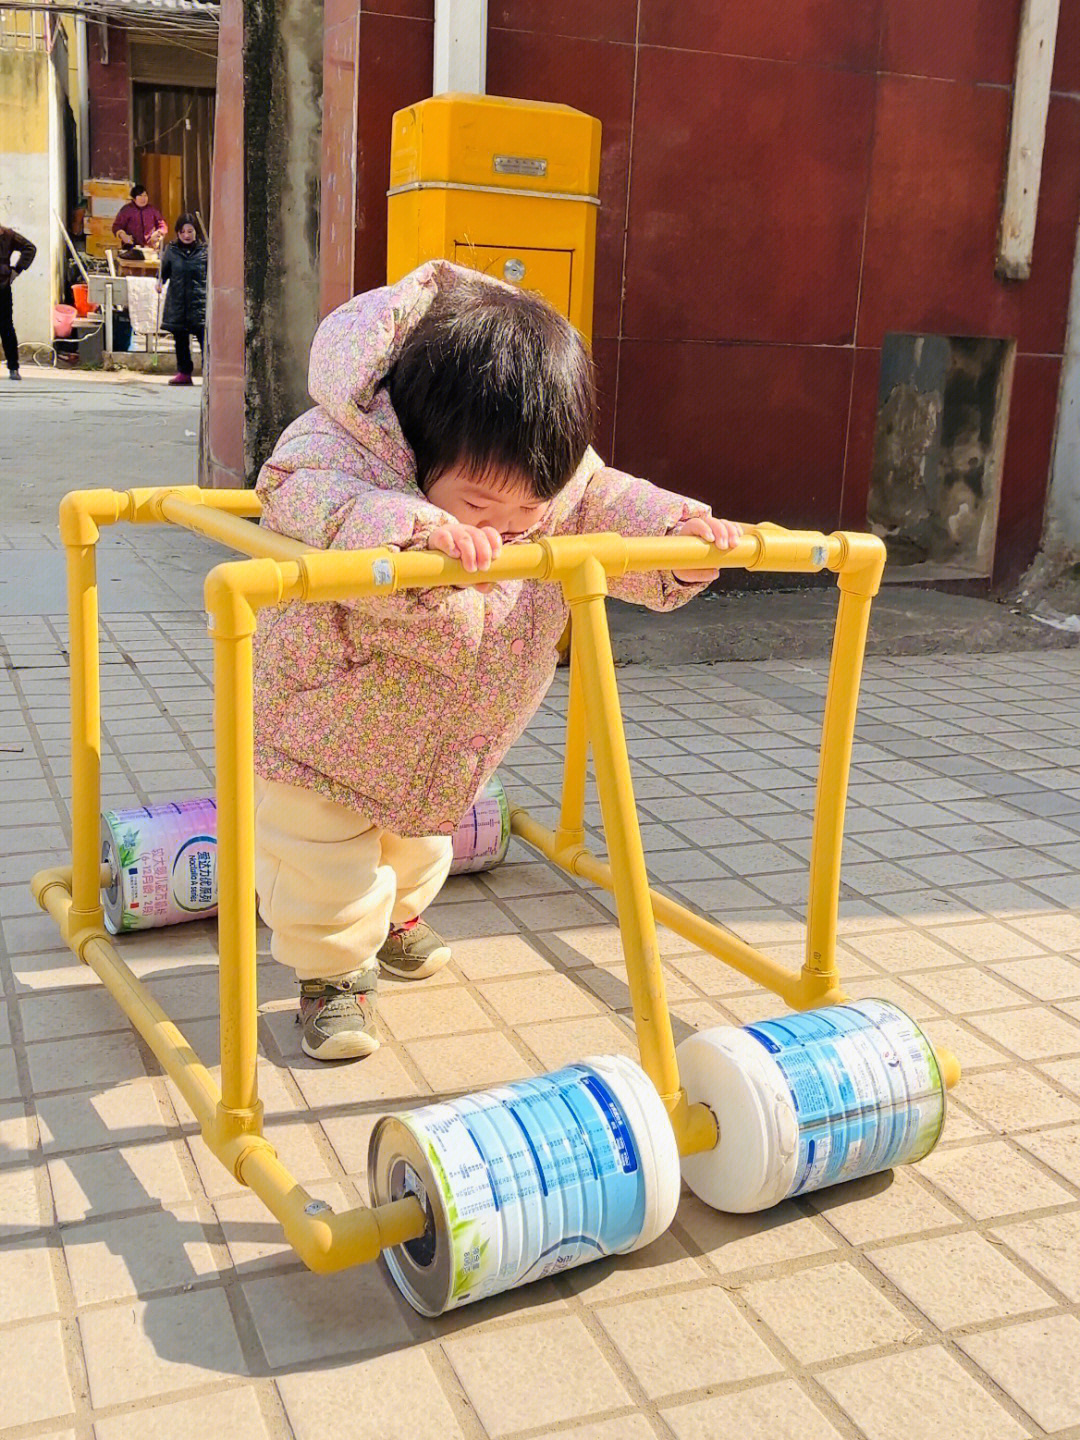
<point>105,208</point>
<point>108,189</point>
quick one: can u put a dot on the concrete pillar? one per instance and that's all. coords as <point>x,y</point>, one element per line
<point>283,57</point>
<point>221,431</point>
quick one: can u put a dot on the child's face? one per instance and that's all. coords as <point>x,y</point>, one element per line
<point>501,499</point>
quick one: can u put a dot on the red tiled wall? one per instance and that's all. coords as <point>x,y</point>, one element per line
<point>800,179</point>
<point>110,105</point>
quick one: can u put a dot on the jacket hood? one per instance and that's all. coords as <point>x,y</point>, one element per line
<point>357,344</point>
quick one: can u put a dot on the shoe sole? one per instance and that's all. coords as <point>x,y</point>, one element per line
<point>435,961</point>
<point>353,1045</point>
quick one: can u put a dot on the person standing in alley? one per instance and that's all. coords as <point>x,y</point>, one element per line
<point>184,267</point>
<point>140,224</point>
<point>11,243</point>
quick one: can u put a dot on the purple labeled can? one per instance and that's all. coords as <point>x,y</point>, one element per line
<point>162,863</point>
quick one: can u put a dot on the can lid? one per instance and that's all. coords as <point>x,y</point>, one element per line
<point>753,1163</point>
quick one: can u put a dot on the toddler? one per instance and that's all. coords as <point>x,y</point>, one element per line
<point>453,413</point>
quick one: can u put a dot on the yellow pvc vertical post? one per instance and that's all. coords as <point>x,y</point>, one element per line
<point>571,831</point>
<point>86,912</point>
<point>858,582</point>
<point>232,627</point>
<point>586,589</point>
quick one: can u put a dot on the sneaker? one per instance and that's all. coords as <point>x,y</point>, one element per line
<point>14,375</point>
<point>413,951</point>
<point>180,379</point>
<point>338,1016</point>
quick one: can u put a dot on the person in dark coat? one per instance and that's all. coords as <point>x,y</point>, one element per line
<point>184,267</point>
<point>11,244</point>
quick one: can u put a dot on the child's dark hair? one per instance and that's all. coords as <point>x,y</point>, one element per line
<point>494,378</point>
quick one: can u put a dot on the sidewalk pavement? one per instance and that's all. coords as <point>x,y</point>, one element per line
<point>143,1292</point>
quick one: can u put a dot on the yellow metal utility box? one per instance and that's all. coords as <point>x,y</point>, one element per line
<point>508,187</point>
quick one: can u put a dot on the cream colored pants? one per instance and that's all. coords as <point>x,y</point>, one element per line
<point>331,884</point>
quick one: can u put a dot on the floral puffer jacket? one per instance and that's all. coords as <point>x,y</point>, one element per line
<point>402,707</point>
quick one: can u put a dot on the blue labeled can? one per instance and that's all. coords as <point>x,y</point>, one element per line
<point>527,1180</point>
<point>810,1100</point>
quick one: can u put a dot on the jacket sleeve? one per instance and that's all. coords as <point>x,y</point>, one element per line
<point>314,488</point>
<point>27,250</point>
<point>166,265</point>
<point>613,501</point>
<point>120,222</point>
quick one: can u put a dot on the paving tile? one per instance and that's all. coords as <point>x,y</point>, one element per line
<point>533,999</point>
<point>992,1180</point>
<point>960,1279</point>
<point>898,951</point>
<point>1033,1033</point>
<point>168,1344</point>
<point>121,1258</point>
<point>122,1114</point>
<point>365,1401</point>
<point>97,1183</point>
<point>498,955</point>
<point>468,1062</point>
<point>301,1317</point>
<point>10,1087</point>
<point>685,1340</point>
<point>17,1140</point>
<point>973,1051</point>
<point>380,1077</point>
<point>470,921</point>
<point>450,1010</point>
<point>60,1017</point>
<point>564,1042</point>
<point>554,912</point>
<point>778,1408</point>
<point>746,1242</point>
<point>27,1284</point>
<point>664,1262</point>
<point>1047,977</point>
<point>827,1312</point>
<point>625,1427</point>
<point>1058,1148</point>
<point>234,1413</point>
<point>515,1379</point>
<point>1012,1100</point>
<point>1037,1364</point>
<point>1050,1244</point>
<point>918,1395</point>
<point>881,1207</point>
<point>36,1385</point>
<point>965,991</point>
<point>78,1064</point>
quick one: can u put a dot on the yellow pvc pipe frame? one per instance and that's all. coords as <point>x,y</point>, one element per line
<point>281,569</point>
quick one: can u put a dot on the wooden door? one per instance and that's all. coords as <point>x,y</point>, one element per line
<point>163,176</point>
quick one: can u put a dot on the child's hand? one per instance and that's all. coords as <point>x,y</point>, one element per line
<point>475,546</point>
<point>722,533</point>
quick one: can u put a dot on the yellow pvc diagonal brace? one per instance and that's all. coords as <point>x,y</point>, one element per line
<point>280,569</point>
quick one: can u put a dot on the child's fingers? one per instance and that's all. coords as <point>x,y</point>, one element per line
<point>466,545</point>
<point>442,540</point>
